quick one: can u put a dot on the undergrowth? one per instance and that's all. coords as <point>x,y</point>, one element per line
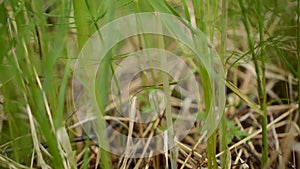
<point>257,43</point>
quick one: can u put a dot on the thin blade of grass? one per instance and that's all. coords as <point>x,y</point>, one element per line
<point>263,92</point>
<point>41,162</point>
<point>245,98</point>
<point>223,140</point>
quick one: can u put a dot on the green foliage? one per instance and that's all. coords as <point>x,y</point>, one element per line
<point>234,131</point>
<point>36,66</point>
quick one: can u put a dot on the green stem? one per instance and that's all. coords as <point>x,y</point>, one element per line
<point>167,91</point>
<point>263,93</point>
<point>81,15</point>
<point>223,144</point>
<point>186,10</point>
<point>199,10</point>
<point>260,72</point>
<point>82,18</point>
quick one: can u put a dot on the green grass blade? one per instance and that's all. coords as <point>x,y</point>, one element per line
<point>223,127</point>
<point>263,92</point>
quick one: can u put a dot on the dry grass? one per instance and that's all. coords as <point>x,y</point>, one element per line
<point>31,119</point>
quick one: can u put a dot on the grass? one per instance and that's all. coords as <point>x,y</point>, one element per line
<point>257,43</point>
<point>260,71</point>
<point>223,124</point>
<point>262,85</point>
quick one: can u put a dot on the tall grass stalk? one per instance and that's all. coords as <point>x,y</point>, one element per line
<point>186,10</point>
<point>103,90</point>
<point>65,9</point>
<point>167,91</point>
<point>260,71</point>
<point>8,84</point>
<point>199,10</point>
<point>212,14</point>
<point>223,135</point>
<point>81,11</point>
<point>262,90</point>
<point>37,96</point>
<point>82,22</point>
